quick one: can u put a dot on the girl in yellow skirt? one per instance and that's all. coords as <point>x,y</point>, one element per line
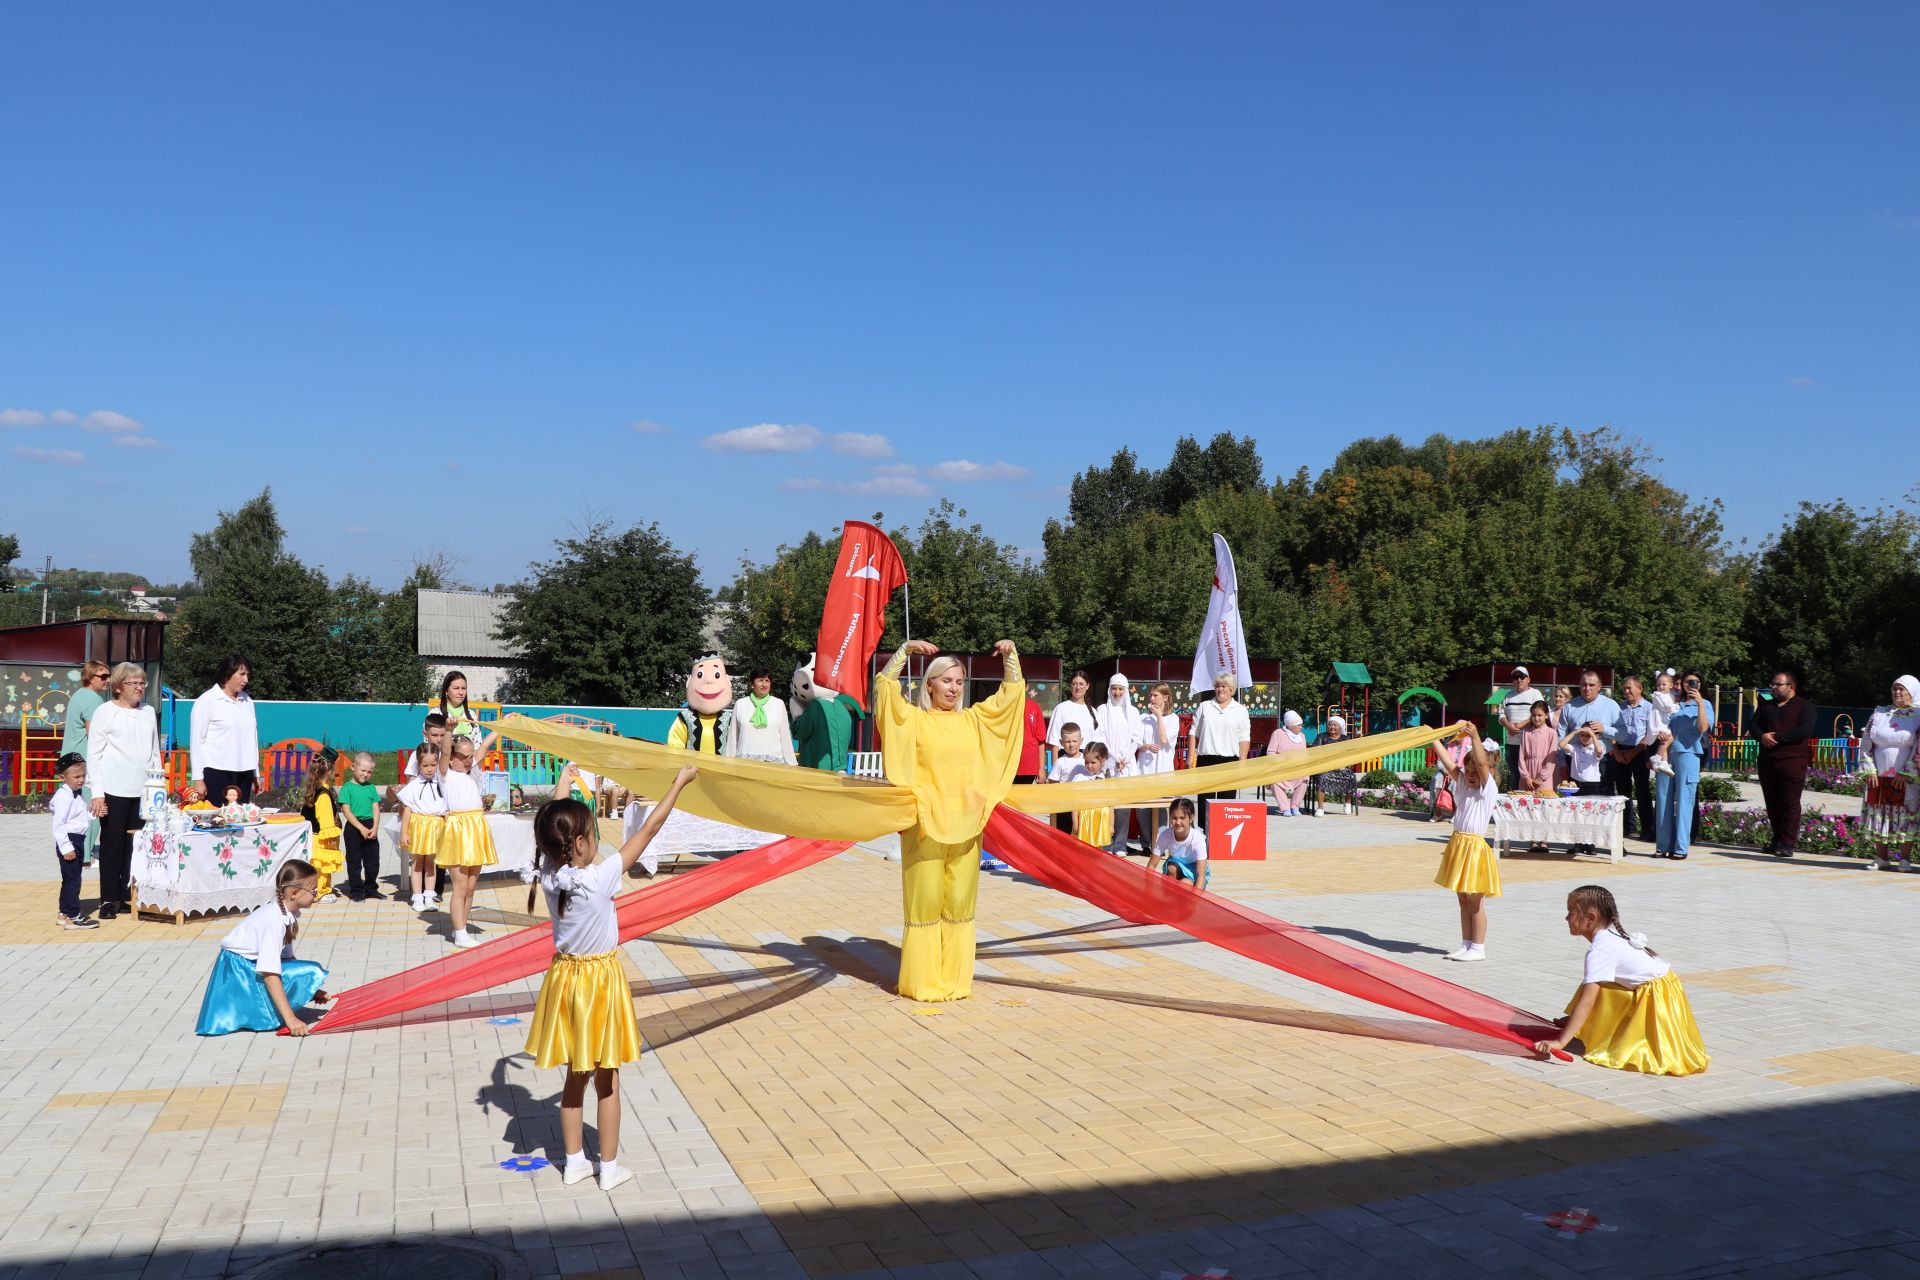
<point>1468,867</point>
<point>1631,1012</point>
<point>321,809</point>
<point>423,818</point>
<point>466,845</point>
<point>584,1018</point>
<point>1093,826</point>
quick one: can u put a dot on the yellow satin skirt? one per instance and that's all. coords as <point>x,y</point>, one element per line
<point>466,842</point>
<point>1469,866</point>
<point>1650,1029</point>
<point>584,1018</point>
<point>1096,827</point>
<point>326,856</point>
<point>423,834</point>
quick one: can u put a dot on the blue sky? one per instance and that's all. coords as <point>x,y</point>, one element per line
<point>396,259</point>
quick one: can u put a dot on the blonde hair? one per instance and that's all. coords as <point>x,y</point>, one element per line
<point>939,667</point>
<point>123,672</point>
<point>1228,679</point>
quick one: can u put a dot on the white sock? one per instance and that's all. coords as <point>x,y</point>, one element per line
<point>576,1160</point>
<point>1474,946</point>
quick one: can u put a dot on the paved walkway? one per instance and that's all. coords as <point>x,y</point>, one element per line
<point>1113,1102</point>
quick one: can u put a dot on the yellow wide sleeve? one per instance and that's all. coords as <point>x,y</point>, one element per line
<point>809,803</point>
<point>677,736</point>
<point>958,765</point>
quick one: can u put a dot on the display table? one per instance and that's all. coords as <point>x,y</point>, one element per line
<point>685,833</point>
<point>211,872</point>
<point>1592,820</point>
<point>512,840</point>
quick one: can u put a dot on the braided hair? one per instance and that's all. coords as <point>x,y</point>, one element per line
<point>557,828</point>
<point>1599,899</point>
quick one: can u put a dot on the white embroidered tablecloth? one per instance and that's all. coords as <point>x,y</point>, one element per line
<point>512,839</point>
<point>686,832</point>
<point>213,871</point>
<point>1589,820</point>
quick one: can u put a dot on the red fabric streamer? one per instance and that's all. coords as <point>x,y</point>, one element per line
<point>1131,892</point>
<point>528,951</point>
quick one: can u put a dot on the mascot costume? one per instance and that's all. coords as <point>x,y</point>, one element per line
<point>822,721</point>
<point>705,720</point>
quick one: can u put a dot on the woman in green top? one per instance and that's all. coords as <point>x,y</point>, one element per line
<point>460,721</point>
<point>73,738</point>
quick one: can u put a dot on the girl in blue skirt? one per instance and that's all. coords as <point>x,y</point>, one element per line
<point>256,983</point>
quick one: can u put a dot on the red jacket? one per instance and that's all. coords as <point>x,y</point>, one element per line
<point>1033,739</point>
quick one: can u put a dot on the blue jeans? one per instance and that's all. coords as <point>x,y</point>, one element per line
<point>1673,803</point>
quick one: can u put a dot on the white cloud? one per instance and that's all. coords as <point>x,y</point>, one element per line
<point>648,427</point>
<point>963,471</point>
<point>137,442</point>
<point>891,486</point>
<point>60,457</point>
<point>1801,381</point>
<point>65,417</point>
<point>22,418</point>
<point>859,444</point>
<point>355,528</point>
<point>108,420</point>
<point>796,484</point>
<point>767,437</point>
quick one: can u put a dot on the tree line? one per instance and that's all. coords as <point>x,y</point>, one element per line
<point>1542,544</point>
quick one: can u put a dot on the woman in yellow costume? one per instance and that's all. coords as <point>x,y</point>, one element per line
<point>959,763</point>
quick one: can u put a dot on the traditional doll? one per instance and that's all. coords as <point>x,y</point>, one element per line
<point>822,721</point>
<point>708,715</point>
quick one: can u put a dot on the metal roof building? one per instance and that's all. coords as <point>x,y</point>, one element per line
<point>455,631</point>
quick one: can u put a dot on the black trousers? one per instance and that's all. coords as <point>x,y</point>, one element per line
<point>70,874</point>
<point>1634,780</point>
<point>1780,785</point>
<point>218,780</point>
<point>1201,762</point>
<point>116,846</point>
<point>363,860</point>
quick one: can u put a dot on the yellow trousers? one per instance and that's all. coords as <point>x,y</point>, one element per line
<point>941,882</point>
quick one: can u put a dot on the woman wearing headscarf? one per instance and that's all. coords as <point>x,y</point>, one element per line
<point>1888,812</point>
<point>1335,785</point>
<point>1119,724</point>
<point>1286,740</point>
<point>959,762</point>
<point>760,729</point>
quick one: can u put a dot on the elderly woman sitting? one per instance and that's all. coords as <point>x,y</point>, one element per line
<point>1336,786</point>
<point>1289,738</point>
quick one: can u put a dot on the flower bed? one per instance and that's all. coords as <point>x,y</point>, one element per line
<point>1401,795</point>
<point>1831,834</point>
<point>1832,780</point>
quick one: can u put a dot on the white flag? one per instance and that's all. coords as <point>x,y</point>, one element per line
<point>1223,645</point>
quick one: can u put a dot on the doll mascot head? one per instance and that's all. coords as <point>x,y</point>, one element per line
<point>802,690</point>
<point>704,721</point>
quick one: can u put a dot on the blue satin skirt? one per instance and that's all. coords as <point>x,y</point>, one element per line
<point>237,998</point>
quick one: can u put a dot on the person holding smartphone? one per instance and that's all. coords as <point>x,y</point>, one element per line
<point>1688,730</point>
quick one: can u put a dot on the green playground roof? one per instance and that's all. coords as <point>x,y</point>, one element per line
<point>1495,698</point>
<point>1350,673</point>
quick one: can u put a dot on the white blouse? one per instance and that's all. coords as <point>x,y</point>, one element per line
<point>423,795</point>
<point>1473,806</point>
<point>1612,958</point>
<point>775,742</point>
<point>123,744</point>
<point>225,733</point>
<point>1219,731</point>
<point>1157,748</point>
<point>262,937</point>
<point>1890,736</point>
<point>1066,713</point>
<point>462,792</point>
<point>590,926</point>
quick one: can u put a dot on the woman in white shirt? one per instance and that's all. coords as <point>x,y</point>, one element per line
<point>584,1019</point>
<point>123,746</point>
<point>1072,711</point>
<point>1890,811</point>
<point>760,728</point>
<point>1159,742</point>
<point>1630,1013</point>
<point>225,735</point>
<point>1222,733</point>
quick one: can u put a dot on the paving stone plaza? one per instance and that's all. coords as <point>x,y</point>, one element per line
<point>1115,1101</point>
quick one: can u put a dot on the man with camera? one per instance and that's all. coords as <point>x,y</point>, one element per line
<point>1784,730</point>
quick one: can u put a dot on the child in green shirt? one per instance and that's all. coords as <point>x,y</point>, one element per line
<point>360,830</point>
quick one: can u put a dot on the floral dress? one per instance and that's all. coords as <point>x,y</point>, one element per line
<point>1890,814</point>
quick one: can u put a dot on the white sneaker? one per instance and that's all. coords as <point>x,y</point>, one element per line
<point>1661,765</point>
<point>465,939</point>
<point>618,1176</point>
<point>1467,955</point>
<point>573,1175</point>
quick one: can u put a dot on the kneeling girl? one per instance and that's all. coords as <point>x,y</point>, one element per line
<point>256,983</point>
<point>1630,1012</point>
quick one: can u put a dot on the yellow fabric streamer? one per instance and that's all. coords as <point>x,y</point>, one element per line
<point>808,803</point>
<point>1142,790</point>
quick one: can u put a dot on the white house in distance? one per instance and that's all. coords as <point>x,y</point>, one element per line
<point>454,631</point>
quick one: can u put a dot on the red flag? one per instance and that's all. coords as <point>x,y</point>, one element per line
<point>864,579</point>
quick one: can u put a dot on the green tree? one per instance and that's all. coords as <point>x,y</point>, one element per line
<point>773,609</point>
<point>261,602</point>
<point>1835,596</point>
<point>614,620</point>
<point>375,634</point>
